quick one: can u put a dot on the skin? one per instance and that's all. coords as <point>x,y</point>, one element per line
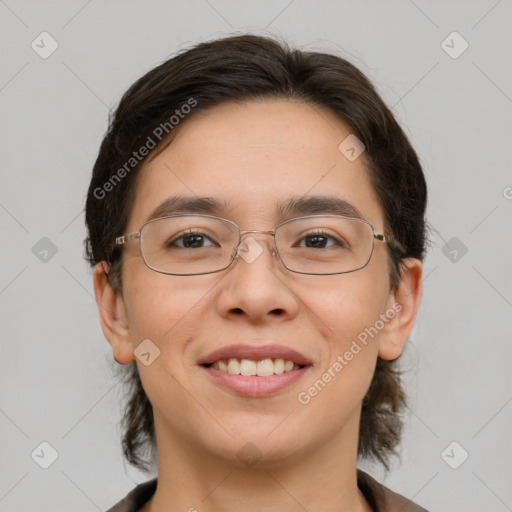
<point>254,155</point>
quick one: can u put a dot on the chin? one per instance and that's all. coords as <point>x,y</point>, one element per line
<point>259,444</point>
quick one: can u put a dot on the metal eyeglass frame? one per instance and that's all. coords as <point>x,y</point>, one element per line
<point>123,239</point>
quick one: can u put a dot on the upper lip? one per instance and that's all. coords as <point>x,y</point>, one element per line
<point>256,353</point>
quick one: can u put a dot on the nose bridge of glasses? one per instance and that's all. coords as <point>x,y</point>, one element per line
<point>243,245</point>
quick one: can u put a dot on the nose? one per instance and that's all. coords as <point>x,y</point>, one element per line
<point>255,287</point>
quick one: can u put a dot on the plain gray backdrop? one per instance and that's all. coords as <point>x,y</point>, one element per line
<point>56,384</point>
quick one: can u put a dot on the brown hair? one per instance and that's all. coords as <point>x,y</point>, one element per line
<point>249,67</point>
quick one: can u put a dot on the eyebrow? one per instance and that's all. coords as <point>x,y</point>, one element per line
<point>295,206</point>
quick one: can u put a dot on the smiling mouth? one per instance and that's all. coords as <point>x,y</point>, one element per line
<point>251,368</point>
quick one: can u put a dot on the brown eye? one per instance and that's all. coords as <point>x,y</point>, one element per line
<point>190,240</point>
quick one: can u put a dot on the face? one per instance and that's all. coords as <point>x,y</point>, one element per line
<point>252,157</point>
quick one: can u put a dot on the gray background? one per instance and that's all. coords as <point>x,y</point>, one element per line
<point>56,383</point>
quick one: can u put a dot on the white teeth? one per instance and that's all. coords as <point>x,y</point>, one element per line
<point>234,366</point>
<point>248,367</point>
<point>288,366</point>
<point>265,368</point>
<point>279,366</point>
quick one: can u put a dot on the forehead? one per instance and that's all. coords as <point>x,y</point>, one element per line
<point>255,159</point>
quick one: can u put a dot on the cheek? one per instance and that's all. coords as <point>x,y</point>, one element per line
<point>168,310</point>
<point>346,304</point>
<point>339,385</point>
<point>159,306</point>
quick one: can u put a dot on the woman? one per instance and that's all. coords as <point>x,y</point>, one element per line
<point>256,222</point>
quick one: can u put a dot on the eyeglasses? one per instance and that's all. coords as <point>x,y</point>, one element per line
<point>195,244</point>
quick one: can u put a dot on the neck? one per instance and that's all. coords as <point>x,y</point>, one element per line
<point>323,478</point>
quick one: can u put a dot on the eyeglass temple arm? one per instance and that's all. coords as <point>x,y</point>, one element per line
<point>120,240</point>
<point>391,240</point>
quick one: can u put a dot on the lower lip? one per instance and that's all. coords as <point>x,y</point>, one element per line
<point>254,386</point>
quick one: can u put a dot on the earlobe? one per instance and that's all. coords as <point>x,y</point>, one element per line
<point>405,301</point>
<point>113,318</point>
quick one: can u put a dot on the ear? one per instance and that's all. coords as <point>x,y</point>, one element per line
<point>113,316</point>
<point>404,301</point>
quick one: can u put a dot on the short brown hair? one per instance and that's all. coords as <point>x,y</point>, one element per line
<point>246,67</point>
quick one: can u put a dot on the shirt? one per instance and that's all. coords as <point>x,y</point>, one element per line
<point>380,498</point>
